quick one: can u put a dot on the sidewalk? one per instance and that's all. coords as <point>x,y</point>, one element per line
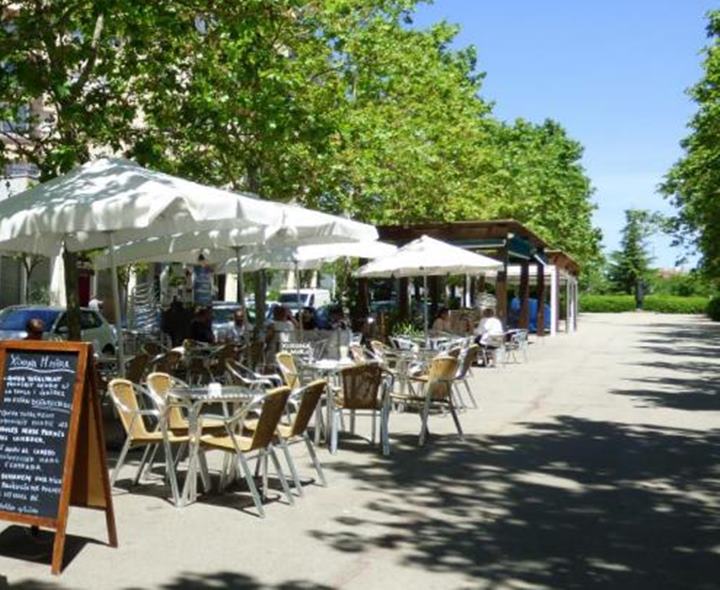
<point>595,465</point>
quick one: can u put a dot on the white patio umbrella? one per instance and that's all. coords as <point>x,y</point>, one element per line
<point>427,257</point>
<point>109,201</point>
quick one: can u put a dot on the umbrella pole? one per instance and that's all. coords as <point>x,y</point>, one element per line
<point>425,310</point>
<point>240,279</point>
<point>116,305</point>
<point>297,291</point>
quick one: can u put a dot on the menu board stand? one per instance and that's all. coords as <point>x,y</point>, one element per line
<point>51,438</point>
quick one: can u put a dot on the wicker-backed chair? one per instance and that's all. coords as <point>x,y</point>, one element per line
<point>305,401</point>
<point>166,362</point>
<point>454,352</point>
<point>135,369</point>
<point>270,407</point>
<point>236,374</point>
<point>384,354</point>
<point>288,369</point>
<point>160,384</point>
<point>364,389</point>
<point>434,392</point>
<point>218,360</point>
<point>125,394</point>
<point>153,348</point>
<point>357,353</point>
<point>463,374</point>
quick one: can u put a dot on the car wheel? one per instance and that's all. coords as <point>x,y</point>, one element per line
<point>108,350</point>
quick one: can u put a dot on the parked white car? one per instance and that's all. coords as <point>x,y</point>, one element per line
<point>94,326</point>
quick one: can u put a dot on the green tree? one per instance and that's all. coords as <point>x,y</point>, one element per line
<point>692,183</point>
<point>65,88</point>
<point>545,186</point>
<point>248,101</point>
<point>630,266</point>
<point>414,138</point>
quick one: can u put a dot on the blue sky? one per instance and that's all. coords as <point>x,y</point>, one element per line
<point>613,73</point>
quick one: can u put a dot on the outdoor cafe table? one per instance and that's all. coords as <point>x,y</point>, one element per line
<point>328,369</point>
<point>195,399</point>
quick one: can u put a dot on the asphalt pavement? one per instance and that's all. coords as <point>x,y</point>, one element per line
<point>593,465</point>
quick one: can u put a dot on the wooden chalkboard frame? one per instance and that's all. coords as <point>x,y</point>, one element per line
<point>85,483</point>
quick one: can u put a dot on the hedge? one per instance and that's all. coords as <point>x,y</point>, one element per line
<point>713,308</point>
<point>657,303</point>
<point>675,304</point>
<point>607,303</point>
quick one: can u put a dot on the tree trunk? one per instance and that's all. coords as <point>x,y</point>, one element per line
<point>73,296</point>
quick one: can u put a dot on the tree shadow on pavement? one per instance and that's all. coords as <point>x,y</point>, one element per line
<point>189,581</point>
<point>231,581</point>
<point>571,504</point>
<point>686,369</point>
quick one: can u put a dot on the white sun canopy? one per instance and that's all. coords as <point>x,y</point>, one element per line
<point>308,257</point>
<point>110,201</point>
<point>118,196</point>
<point>265,248</point>
<point>428,257</point>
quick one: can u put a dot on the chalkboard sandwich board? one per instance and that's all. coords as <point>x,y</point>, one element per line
<point>52,451</point>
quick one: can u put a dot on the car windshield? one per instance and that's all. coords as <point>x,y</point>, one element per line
<point>16,319</point>
<point>223,315</point>
<point>292,298</point>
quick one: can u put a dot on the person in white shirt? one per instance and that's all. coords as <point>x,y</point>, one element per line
<point>489,327</point>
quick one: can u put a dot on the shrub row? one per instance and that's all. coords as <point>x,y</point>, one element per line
<point>607,303</point>
<point>675,304</point>
<point>658,303</point>
<point>713,308</point>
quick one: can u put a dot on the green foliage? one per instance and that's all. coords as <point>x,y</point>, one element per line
<point>606,303</point>
<point>71,61</point>
<point>713,308</point>
<point>692,182</point>
<point>540,181</point>
<point>673,304</point>
<point>337,104</point>
<point>657,303</point>
<point>407,329</point>
<point>38,294</point>
<point>631,264</point>
<point>683,284</point>
<point>594,278</point>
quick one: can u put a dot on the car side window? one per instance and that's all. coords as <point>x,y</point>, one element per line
<point>89,320</point>
<point>61,323</point>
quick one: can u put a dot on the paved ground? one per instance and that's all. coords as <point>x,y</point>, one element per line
<point>595,465</point>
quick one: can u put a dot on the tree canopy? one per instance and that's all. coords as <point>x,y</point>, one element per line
<point>692,183</point>
<point>343,105</point>
<point>630,266</point>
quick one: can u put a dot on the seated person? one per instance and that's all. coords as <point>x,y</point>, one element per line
<point>281,327</point>
<point>241,329</point>
<point>201,326</point>
<point>442,321</point>
<point>337,318</point>
<point>34,328</point>
<point>307,318</point>
<point>489,328</point>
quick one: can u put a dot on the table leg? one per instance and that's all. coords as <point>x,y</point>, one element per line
<point>189,493</point>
